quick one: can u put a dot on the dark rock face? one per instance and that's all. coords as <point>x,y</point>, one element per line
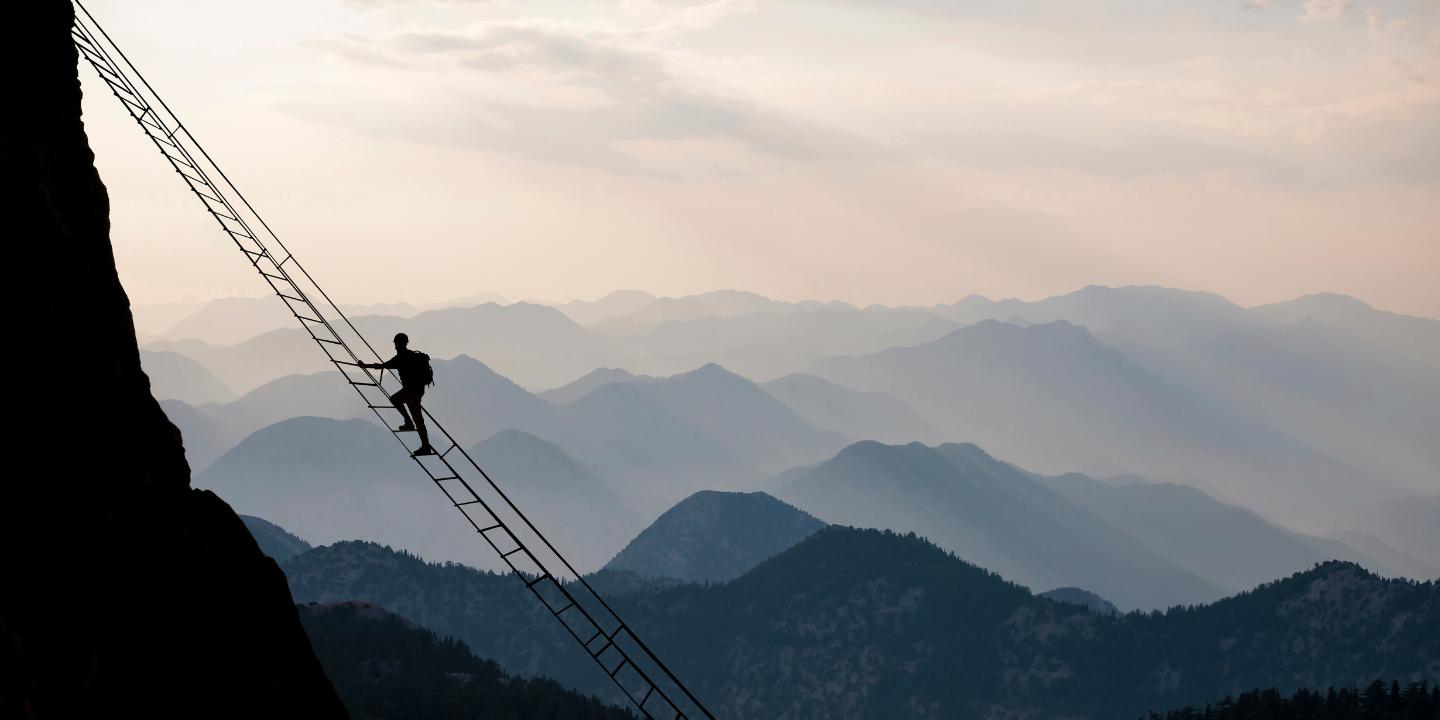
<point>122,590</point>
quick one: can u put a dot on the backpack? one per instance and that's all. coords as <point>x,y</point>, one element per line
<point>424,373</point>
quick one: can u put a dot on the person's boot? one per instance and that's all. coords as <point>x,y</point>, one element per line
<point>423,450</point>
<point>407,427</point>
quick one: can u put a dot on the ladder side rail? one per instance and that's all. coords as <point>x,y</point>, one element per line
<point>178,128</point>
<point>578,577</point>
<point>192,161</point>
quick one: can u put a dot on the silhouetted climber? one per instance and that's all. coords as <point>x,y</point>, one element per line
<point>415,374</point>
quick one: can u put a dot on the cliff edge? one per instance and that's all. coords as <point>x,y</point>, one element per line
<point>122,590</point>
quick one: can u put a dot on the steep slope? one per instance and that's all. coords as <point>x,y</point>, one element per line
<point>1084,598</point>
<point>134,592</point>
<point>993,514</point>
<point>274,540</point>
<point>714,537</point>
<point>866,624</point>
<point>385,667</point>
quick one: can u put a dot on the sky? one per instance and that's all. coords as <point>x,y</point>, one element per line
<point>901,152</point>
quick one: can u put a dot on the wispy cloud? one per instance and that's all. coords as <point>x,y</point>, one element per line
<point>1324,11</point>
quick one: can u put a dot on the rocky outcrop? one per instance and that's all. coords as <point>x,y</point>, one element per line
<point>125,591</point>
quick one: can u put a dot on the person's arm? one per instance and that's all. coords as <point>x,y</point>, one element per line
<point>393,363</point>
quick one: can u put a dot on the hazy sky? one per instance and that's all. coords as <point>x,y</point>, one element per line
<point>901,152</point>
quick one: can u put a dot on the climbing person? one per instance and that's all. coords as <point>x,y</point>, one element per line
<point>415,374</point>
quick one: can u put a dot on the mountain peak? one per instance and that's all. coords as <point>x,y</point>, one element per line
<point>714,536</point>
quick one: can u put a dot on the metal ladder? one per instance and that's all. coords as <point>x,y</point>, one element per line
<point>640,675</point>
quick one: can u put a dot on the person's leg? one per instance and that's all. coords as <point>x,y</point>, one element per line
<point>418,413</point>
<point>400,400</point>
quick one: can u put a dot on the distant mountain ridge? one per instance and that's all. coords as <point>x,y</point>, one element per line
<point>714,537</point>
<point>903,625</point>
<point>995,515</point>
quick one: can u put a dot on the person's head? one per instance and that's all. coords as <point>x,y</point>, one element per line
<point>401,340</point>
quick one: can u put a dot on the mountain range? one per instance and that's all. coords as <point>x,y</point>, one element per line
<point>384,666</point>
<point>861,623</point>
<point>1307,412</point>
<point>1139,544</point>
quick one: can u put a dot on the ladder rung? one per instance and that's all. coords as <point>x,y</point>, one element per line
<point>447,477</point>
<point>598,633</point>
<point>492,527</point>
<point>517,549</point>
<point>198,181</point>
<point>356,382</point>
<point>616,671</point>
<point>207,197</point>
<point>563,609</point>
<point>290,297</point>
<point>182,161</point>
<point>306,318</point>
<point>467,502</point>
<point>281,278</point>
<point>648,693</point>
<point>609,641</point>
<point>335,342</point>
<point>380,407</point>
<point>537,581</point>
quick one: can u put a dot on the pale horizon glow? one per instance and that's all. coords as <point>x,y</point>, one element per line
<point>905,153</point>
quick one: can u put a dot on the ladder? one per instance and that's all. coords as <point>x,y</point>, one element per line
<point>639,674</point>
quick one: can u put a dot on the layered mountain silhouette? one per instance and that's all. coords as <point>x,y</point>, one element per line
<point>994,515</point>
<point>714,537</point>
<point>574,390</point>
<point>176,377</point>
<point>232,320</point>
<point>577,510</point>
<point>861,623</point>
<point>331,480</point>
<point>853,413</point>
<point>536,345</point>
<point>1229,545</point>
<point>274,540</point>
<point>1056,398</point>
<point>1349,381</point>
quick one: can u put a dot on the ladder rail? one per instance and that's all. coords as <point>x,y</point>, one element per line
<point>175,135</point>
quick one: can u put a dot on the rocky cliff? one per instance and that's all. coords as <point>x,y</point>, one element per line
<point>122,590</point>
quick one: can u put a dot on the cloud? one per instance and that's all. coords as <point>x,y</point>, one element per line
<point>1324,11</point>
<point>559,93</point>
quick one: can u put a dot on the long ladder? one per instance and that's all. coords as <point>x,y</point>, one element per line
<point>639,674</point>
